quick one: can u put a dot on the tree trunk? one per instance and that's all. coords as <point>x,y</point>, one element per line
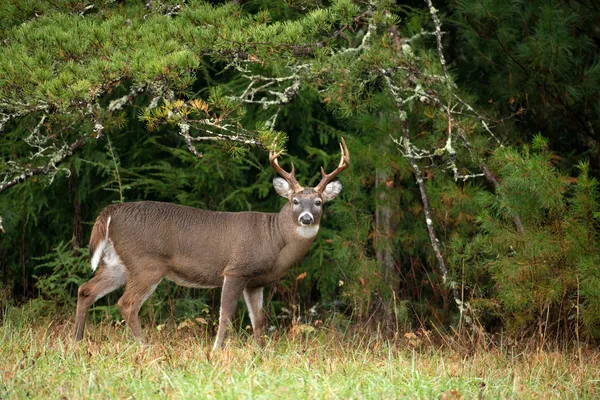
<point>386,222</point>
<point>77,241</point>
<point>3,272</point>
<point>25,262</point>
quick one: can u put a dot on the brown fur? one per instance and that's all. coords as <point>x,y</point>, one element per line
<point>240,252</point>
<point>98,231</point>
<point>192,247</point>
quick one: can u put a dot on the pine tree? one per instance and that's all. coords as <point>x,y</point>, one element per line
<point>545,278</point>
<point>539,61</point>
<point>178,102</point>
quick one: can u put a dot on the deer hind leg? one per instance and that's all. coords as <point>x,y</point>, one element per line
<point>110,277</point>
<point>136,293</point>
<point>232,289</point>
<point>254,302</point>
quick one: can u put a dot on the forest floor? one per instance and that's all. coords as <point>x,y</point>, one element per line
<point>43,361</point>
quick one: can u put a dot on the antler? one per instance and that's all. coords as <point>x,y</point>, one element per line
<point>288,176</point>
<point>344,162</point>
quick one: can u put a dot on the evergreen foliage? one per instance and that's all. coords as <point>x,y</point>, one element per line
<point>545,279</point>
<point>179,101</point>
<point>538,60</point>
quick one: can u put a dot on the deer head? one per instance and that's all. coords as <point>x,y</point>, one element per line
<point>307,203</point>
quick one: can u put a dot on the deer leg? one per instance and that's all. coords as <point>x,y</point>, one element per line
<point>106,280</point>
<point>232,289</point>
<point>254,302</point>
<point>136,293</point>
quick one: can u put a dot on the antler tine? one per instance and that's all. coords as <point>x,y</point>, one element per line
<point>344,162</point>
<point>290,177</point>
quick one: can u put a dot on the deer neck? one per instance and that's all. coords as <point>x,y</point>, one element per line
<point>291,231</point>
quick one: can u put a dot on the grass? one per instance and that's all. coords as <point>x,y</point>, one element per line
<point>43,361</point>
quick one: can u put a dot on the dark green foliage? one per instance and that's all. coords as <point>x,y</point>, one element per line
<point>60,273</point>
<point>538,59</point>
<point>142,74</point>
<point>542,280</point>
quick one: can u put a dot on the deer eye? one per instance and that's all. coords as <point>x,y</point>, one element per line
<point>296,202</point>
<point>318,202</point>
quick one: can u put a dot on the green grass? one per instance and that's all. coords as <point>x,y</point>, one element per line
<point>43,361</point>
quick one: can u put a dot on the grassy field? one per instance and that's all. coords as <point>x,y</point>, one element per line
<point>42,361</point>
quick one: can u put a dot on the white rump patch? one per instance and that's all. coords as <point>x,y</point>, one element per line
<point>100,249</point>
<point>113,265</point>
<point>307,232</point>
<point>111,258</point>
<point>114,268</point>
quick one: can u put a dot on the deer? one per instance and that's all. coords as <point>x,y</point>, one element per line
<point>139,244</point>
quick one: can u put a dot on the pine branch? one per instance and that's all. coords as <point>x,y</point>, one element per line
<point>117,174</point>
<point>304,49</point>
<point>494,182</point>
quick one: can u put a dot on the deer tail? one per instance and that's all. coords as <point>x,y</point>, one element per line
<point>99,238</point>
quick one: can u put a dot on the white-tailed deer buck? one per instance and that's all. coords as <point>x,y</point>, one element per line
<point>140,244</point>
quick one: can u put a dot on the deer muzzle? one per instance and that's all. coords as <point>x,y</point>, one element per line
<point>306,218</point>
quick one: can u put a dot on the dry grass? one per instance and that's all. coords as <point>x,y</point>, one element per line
<point>42,361</point>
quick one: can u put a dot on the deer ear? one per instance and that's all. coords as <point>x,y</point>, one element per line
<point>332,190</point>
<point>282,187</point>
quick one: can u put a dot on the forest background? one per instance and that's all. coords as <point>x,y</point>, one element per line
<point>471,202</point>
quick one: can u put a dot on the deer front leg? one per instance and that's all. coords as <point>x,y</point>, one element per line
<point>232,289</point>
<point>254,302</point>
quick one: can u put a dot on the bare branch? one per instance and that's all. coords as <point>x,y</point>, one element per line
<point>481,119</point>
<point>435,243</point>
<point>438,36</point>
<point>271,121</point>
<point>59,157</point>
<point>365,42</point>
<point>10,111</point>
<point>184,130</point>
<point>119,103</point>
<point>229,133</point>
<point>265,92</point>
<point>86,9</point>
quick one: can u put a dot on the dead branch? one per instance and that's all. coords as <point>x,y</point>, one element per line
<point>486,171</point>
<point>435,243</point>
<point>58,158</point>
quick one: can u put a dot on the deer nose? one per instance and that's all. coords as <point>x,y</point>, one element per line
<point>306,219</point>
